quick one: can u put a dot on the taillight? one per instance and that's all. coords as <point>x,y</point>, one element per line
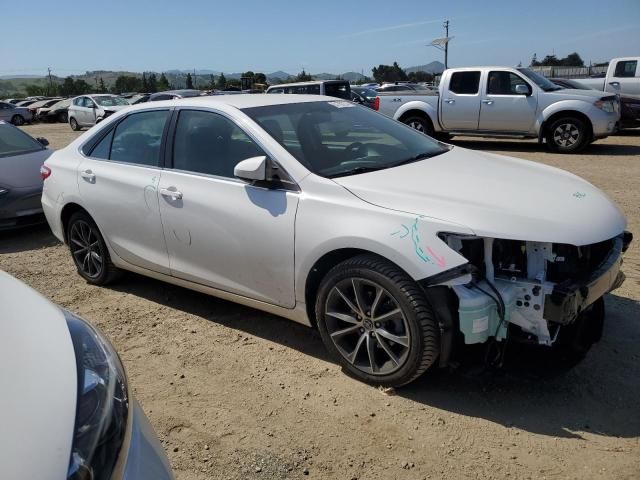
<point>376,104</point>
<point>45,172</point>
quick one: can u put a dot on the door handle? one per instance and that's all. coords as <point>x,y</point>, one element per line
<point>488,102</point>
<point>174,194</point>
<point>89,176</point>
<point>449,101</point>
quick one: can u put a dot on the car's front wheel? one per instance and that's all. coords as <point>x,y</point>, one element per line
<point>375,320</point>
<point>567,135</point>
<point>89,250</point>
<point>74,124</point>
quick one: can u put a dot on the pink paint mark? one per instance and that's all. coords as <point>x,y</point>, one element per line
<point>439,260</point>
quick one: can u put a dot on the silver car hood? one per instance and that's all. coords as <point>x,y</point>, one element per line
<point>38,381</point>
<point>494,196</point>
<point>580,93</point>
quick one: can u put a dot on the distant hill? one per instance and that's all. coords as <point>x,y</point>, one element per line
<point>352,76</point>
<point>432,67</point>
<point>278,75</point>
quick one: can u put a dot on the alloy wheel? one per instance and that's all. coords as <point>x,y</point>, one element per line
<point>417,126</point>
<point>367,326</point>
<point>86,249</point>
<point>566,135</point>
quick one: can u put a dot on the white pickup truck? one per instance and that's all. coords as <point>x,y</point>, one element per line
<point>623,76</point>
<point>506,102</point>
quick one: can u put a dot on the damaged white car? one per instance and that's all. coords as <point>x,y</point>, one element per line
<point>395,246</point>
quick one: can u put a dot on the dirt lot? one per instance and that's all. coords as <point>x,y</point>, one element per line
<point>235,393</point>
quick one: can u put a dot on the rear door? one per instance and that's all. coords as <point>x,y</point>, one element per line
<point>6,110</point>
<point>460,101</point>
<point>118,182</point>
<point>502,108</point>
<point>626,78</point>
<point>222,231</point>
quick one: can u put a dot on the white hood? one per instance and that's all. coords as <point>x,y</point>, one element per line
<point>495,196</point>
<point>38,381</point>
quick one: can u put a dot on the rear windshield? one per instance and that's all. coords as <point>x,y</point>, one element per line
<point>14,141</point>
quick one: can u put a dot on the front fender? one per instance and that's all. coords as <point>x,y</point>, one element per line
<point>424,107</point>
<point>586,108</point>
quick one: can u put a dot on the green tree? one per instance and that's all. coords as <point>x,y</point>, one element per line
<point>145,84</point>
<point>163,83</point>
<point>68,87</point>
<point>222,81</point>
<point>389,73</point>
<point>101,86</point>
<point>573,60</point>
<point>127,83</point>
<point>152,83</point>
<point>35,90</point>
<point>420,76</point>
<point>189,81</point>
<point>260,78</point>
<point>303,77</point>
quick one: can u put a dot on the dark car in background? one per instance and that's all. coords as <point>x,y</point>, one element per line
<point>58,112</point>
<point>363,96</point>
<point>173,94</point>
<point>21,160</point>
<point>629,104</point>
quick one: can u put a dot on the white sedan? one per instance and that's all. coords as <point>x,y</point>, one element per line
<point>67,412</point>
<point>398,248</point>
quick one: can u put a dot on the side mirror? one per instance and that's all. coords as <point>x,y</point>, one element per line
<point>522,90</point>
<point>252,169</point>
<point>43,141</point>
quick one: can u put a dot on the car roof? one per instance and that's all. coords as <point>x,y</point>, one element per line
<point>311,82</point>
<point>243,100</point>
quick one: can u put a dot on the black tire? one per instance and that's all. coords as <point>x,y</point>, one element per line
<point>74,124</point>
<point>419,329</point>
<point>17,120</point>
<point>419,123</point>
<point>567,135</point>
<point>63,117</point>
<point>576,339</point>
<point>93,263</point>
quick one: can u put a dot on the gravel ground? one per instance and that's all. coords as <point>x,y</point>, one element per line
<point>234,393</point>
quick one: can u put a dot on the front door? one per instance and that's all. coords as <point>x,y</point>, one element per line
<point>460,101</point>
<point>626,78</point>
<point>221,231</point>
<point>502,108</point>
<point>118,184</point>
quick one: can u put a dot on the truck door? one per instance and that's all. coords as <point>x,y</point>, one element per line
<point>508,103</point>
<point>460,101</point>
<point>625,78</point>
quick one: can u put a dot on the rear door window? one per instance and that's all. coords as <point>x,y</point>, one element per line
<point>465,83</point>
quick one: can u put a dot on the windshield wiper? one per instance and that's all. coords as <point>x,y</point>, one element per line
<point>416,158</point>
<point>357,170</point>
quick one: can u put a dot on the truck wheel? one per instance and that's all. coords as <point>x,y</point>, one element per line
<point>17,120</point>
<point>375,320</point>
<point>567,135</point>
<point>420,124</point>
<point>74,124</point>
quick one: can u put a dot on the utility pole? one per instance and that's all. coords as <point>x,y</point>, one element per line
<point>50,82</point>
<point>446,45</point>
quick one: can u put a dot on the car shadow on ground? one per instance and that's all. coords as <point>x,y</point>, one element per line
<point>599,395</point>
<point>535,147</point>
<point>27,238</point>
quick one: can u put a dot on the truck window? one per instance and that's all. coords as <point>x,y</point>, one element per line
<point>340,90</point>
<point>626,68</point>
<point>504,83</point>
<point>465,82</point>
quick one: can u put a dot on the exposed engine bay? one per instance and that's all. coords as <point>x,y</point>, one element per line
<point>530,290</point>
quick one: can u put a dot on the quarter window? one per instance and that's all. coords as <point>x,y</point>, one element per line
<point>466,83</point>
<point>135,140</point>
<point>209,143</point>
<point>504,83</point>
<point>626,68</point>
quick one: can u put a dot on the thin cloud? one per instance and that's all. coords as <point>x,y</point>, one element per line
<point>391,28</point>
<point>597,34</point>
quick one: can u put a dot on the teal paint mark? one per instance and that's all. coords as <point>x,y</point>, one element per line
<point>416,243</point>
<point>404,234</point>
<point>579,194</point>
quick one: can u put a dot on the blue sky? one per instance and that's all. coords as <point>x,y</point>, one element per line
<point>322,36</point>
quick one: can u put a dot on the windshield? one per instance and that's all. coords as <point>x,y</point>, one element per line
<point>338,138</point>
<point>110,101</point>
<point>544,83</point>
<point>14,141</point>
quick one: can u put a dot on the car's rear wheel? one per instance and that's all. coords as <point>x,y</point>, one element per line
<point>567,135</point>
<point>63,117</point>
<point>74,124</point>
<point>17,120</point>
<point>375,320</point>
<point>419,123</point>
<point>89,251</point>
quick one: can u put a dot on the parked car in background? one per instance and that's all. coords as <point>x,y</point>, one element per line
<point>623,76</point>
<point>399,87</point>
<point>369,85</point>
<point>173,94</point>
<point>363,96</point>
<point>34,107</point>
<point>506,102</point>
<point>629,104</point>
<point>25,103</point>
<point>57,112</point>
<point>139,98</point>
<point>87,110</point>
<point>14,114</point>
<point>330,88</point>
<point>21,157</point>
<point>70,398</point>
<point>397,247</point>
